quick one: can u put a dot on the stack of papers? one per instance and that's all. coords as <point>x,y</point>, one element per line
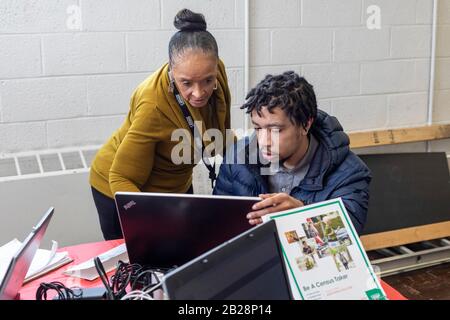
<point>109,259</point>
<point>44,261</point>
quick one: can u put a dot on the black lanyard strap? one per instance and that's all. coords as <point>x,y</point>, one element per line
<point>190,122</point>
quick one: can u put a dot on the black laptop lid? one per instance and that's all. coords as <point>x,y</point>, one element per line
<point>21,261</point>
<point>167,230</point>
<point>248,267</point>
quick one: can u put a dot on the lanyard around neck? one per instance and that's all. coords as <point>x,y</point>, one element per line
<point>190,121</point>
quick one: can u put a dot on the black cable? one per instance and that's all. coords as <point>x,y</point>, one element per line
<point>62,291</point>
<point>104,277</point>
<point>143,279</point>
<point>133,275</point>
<point>122,277</point>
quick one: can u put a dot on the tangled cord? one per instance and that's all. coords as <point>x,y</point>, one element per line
<point>63,292</point>
<point>142,282</point>
<point>144,294</point>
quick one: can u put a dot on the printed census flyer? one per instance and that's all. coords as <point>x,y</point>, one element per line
<point>323,255</point>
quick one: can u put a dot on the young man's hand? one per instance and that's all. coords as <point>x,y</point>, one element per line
<point>272,202</point>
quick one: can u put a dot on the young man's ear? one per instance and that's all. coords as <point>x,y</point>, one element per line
<point>308,126</point>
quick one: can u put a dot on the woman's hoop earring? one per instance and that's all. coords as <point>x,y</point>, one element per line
<point>215,87</point>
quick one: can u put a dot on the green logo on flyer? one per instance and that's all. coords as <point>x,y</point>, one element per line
<point>375,294</point>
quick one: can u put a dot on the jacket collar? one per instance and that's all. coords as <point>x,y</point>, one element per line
<point>333,149</point>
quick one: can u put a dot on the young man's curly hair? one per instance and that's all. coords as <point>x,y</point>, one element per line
<point>290,92</point>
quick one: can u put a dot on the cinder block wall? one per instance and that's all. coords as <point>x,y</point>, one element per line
<point>442,79</point>
<point>68,68</point>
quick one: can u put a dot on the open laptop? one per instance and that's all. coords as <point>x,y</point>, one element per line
<point>165,230</point>
<point>21,261</point>
<point>248,267</point>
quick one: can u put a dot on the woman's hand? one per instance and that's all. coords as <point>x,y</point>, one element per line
<point>272,202</point>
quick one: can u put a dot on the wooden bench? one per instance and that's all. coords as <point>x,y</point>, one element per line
<point>363,139</point>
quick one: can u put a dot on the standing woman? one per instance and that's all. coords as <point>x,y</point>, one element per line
<point>137,157</point>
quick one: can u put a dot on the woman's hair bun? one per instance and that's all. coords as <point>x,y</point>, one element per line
<point>188,20</point>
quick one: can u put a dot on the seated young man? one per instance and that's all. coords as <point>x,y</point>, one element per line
<point>312,152</point>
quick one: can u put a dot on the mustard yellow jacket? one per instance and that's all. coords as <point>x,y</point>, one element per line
<point>137,157</point>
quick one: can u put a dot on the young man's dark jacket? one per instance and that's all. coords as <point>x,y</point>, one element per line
<point>334,172</point>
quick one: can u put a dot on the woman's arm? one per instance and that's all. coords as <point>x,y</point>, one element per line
<point>134,158</point>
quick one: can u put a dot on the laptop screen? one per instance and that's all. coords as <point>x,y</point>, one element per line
<point>21,262</point>
<point>248,267</point>
<point>167,230</point>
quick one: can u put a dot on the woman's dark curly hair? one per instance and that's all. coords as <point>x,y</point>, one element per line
<point>290,92</point>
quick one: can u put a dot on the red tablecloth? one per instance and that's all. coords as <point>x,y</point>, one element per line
<point>83,252</point>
